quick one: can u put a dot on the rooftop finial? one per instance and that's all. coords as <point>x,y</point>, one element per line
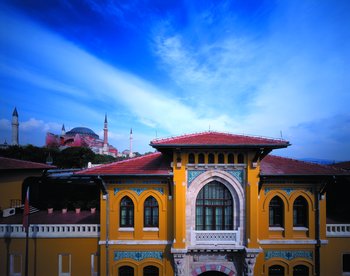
<point>15,112</point>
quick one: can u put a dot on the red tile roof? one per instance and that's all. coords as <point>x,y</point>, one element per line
<point>275,165</point>
<point>15,164</point>
<point>151,164</point>
<point>342,165</point>
<point>211,138</point>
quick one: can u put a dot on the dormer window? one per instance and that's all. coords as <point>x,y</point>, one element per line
<point>231,158</point>
<point>211,158</point>
<point>221,158</point>
<point>201,158</point>
<point>191,158</point>
<point>240,158</point>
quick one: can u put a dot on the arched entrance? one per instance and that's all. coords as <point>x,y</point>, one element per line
<point>213,270</point>
<point>212,273</point>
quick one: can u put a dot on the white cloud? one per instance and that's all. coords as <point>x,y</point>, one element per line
<point>5,124</point>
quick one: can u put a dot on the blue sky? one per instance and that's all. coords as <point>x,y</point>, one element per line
<point>167,68</point>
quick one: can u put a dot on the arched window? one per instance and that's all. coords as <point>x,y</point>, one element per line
<point>240,158</point>
<point>230,158</point>
<point>151,210</point>
<point>150,271</point>
<point>201,158</point>
<point>126,212</point>
<point>214,208</point>
<point>300,270</point>
<point>300,210</point>
<point>276,212</point>
<point>126,271</point>
<point>221,158</point>
<point>211,158</point>
<point>276,270</point>
<point>191,159</point>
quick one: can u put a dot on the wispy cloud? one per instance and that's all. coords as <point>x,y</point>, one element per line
<point>5,124</point>
<point>95,79</point>
<point>257,70</point>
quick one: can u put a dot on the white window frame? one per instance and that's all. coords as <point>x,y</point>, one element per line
<point>12,263</point>
<point>60,272</point>
<point>94,270</point>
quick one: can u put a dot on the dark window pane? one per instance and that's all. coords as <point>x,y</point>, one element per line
<point>300,270</point>
<point>276,270</point>
<point>150,271</point>
<point>300,212</point>
<point>214,208</point>
<point>126,271</point>
<point>346,262</point>
<point>126,212</point>
<point>240,158</point>
<point>221,158</point>
<point>191,159</point>
<point>151,212</point>
<point>276,212</point>
<point>231,158</point>
<point>201,158</point>
<point>211,158</point>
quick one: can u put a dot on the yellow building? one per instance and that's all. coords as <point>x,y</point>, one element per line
<point>204,204</point>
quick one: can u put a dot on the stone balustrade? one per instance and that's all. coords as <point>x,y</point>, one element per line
<point>210,237</point>
<point>51,231</point>
<point>338,230</point>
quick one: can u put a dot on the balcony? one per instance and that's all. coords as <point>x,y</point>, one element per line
<point>215,238</point>
<point>338,230</point>
<point>51,231</point>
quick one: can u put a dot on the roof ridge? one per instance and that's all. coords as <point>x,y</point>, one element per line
<point>119,162</point>
<point>305,162</point>
<point>181,136</point>
<point>217,132</point>
<point>26,161</point>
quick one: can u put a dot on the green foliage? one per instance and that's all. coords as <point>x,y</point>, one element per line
<point>74,157</point>
<point>71,157</point>
<point>30,153</point>
<point>102,159</point>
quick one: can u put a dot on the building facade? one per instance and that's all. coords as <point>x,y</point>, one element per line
<point>205,204</point>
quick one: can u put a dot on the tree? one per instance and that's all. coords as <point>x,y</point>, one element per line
<point>74,157</point>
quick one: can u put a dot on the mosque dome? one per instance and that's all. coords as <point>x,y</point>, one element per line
<point>84,131</point>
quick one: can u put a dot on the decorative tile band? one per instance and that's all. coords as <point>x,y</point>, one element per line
<point>287,190</point>
<point>139,190</point>
<point>288,254</point>
<point>238,174</point>
<point>161,190</point>
<point>137,255</point>
<point>192,174</point>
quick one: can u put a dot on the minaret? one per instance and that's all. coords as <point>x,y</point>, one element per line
<point>63,132</point>
<point>105,136</point>
<point>15,126</point>
<point>130,150</point>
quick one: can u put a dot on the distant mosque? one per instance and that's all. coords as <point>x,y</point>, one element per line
<point>82,137</point>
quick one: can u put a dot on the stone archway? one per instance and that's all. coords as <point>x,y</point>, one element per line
<point>237,192</point>
<point>207,270</point>
<point>212,273</point>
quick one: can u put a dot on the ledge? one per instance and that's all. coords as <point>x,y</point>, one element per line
<point>150,229</point>
<point>276,229</point>
<point>126,229</point>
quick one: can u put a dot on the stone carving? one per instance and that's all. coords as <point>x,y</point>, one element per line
<point>179,261</point>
